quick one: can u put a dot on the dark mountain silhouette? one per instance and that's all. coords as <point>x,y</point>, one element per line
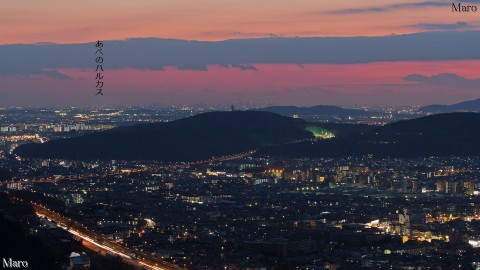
<point>436,135</point>
<point>469,105</point>
<point>316,112</point>
<point>194,138</point>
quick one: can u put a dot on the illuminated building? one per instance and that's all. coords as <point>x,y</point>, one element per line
<point>79,261</point>
<point>15,185</point>
<point>77,198</point>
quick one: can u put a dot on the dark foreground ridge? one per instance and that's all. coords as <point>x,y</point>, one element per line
<point>190,139</point>
<point>437,135</point>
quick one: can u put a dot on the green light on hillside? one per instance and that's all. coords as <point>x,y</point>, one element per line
<point>319,132</point>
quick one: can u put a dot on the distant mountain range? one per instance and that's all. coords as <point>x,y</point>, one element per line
<point>470,106</point>
<point>222,133</point>
<point>321,112</point>
<point>436,135</point>
<point>194,138</point>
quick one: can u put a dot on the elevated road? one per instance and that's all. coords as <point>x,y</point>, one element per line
<point>139,259</point>
<point>152,169</point>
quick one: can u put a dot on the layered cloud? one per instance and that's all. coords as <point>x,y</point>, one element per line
<point>243,54</point>
<point>391,7</point>
<point>443,26</point>
<point>445,80</point>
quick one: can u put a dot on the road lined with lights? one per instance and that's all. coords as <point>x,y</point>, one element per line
<point>153,169</point>
<point>128,256</point>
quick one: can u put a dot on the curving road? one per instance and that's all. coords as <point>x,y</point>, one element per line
<point>129,256</point>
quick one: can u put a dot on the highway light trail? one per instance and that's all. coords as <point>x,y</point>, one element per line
<point>95,243</point>
<point>92,241</point>
<point>104,247</point>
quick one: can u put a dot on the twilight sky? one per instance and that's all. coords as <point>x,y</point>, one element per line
<point>304,52</point>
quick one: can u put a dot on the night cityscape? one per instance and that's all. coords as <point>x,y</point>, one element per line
<point>239,135</point>
<point>245,211</point>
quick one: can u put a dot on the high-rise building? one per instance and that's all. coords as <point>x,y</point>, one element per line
<point>77,198</point>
